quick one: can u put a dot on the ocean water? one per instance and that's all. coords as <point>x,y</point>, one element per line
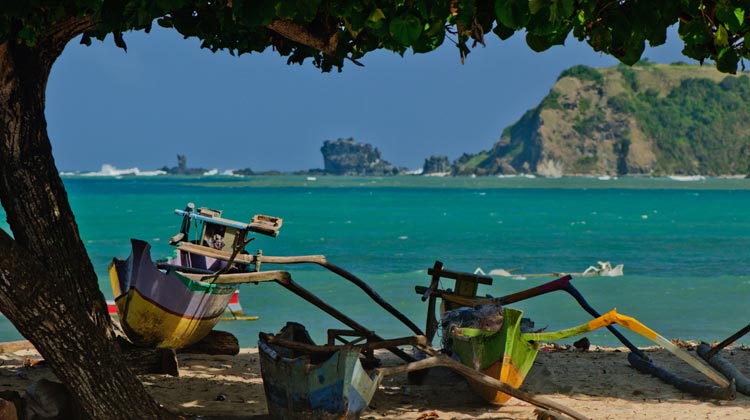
<point>684,244</point>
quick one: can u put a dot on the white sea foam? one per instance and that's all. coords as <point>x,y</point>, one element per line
<point>687,177</point>
<point>230,172</point>
<point>112,171</point>
<point>212,172</point>
<point>150,173</point>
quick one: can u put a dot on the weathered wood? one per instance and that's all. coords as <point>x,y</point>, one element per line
<point>441,360</point>
<point>266,225</point>
<point>247,258</point>
<point>143,360</point>
<point>300,291</point>
<point>461,276</point>
<point>239,278</point>
<point>320,260</point>
<point>374,345</point>
<point>215,343</point>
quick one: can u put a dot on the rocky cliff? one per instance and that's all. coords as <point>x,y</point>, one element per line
<point>436,165</point>
<point>182,168</point>
<point>347,157</point>
<point>648,119</point>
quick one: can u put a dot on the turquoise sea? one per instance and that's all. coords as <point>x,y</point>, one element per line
<point>685,245</point>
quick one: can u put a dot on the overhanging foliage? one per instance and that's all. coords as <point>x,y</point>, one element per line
<point>331,31</point>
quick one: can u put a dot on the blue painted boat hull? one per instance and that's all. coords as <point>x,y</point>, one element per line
<point>314,386</point>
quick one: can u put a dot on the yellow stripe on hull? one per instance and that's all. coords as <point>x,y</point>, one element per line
<point>507,373</point>
<point>152,326</point>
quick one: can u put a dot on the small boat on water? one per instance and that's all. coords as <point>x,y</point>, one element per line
<point>177,302</point>
<point>309,382</point>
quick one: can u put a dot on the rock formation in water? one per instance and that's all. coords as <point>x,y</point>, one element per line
<point>436,165</point>
<point>182,168</point>
<point>347,157</point>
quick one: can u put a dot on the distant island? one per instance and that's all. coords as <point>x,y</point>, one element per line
<point>646,120</point>
<point>649,119</point>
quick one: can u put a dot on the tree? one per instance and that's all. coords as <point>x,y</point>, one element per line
<point>48,287</point>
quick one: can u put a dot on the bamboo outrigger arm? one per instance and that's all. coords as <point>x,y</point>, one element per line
<point>285,279</point>
<point>320,260</point>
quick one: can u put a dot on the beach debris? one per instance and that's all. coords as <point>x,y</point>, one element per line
<point>429,415</point>
<point>548,415</point>
<point>582,344</point>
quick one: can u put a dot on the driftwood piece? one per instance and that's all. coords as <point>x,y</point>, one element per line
<point>143,360</point>
<point>215,343</point>
<point>479,377</point>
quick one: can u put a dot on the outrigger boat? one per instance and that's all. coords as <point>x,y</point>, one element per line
<point>176,303</point>
<point>507,352</point>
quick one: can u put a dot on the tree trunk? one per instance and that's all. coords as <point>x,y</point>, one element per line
<point>48,287</point>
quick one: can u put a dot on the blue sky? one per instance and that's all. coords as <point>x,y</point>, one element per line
<point>167,96</point>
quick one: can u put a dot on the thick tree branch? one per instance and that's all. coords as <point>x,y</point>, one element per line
<point>300,34</point>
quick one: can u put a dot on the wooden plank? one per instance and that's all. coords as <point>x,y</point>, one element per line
<point>479,377</point>
<point>251,277</point>
<point>457,275</point>
<point>267,225</point>
<point>210,252</point>
<point>251,259</point>
<point>215,343</point>
<point>373,345</point>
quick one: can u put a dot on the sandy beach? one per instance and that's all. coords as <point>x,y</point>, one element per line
<point>598,383</point>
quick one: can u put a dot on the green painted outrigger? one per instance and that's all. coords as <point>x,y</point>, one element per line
<point>508,354</point>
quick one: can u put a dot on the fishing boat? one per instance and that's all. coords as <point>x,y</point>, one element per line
<point>507,348</point>
<point>176,302</point>
<point>508,353</point>
<point>305,381</point>
<point>164,308</point>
